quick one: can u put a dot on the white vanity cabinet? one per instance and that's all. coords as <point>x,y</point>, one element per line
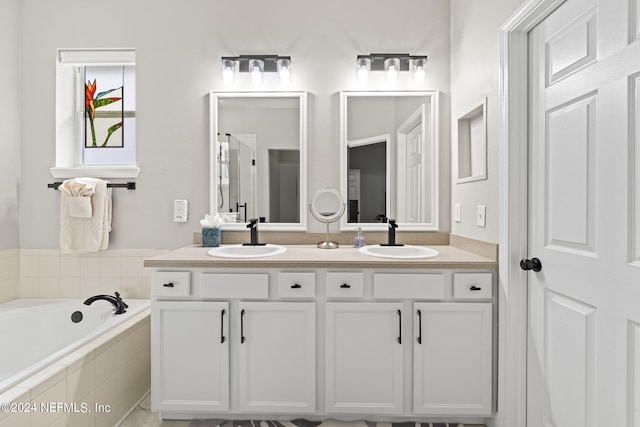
<point>452,355</point>
<point>364,358</point>
<point>190,347</point>
<point>376,343</point>
<point>277,357</point>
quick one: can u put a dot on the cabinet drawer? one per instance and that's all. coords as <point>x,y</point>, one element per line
<point>234,285</point>
<point>408,286</point>
<point>171,283</point>
<point>472,286</point>
<point>345,284</point>
<point>297,285</point>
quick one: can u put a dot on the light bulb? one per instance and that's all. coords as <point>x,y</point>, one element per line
<point>363,66</point>
<point>391,67</point>
<point>256,67</point>
<point>228,71</point>
<point>419,70</point>
<point>284,70</point>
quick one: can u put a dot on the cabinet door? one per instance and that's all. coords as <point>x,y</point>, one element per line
<point>277,358</point>
<point>452,358</point>
<point>190,356</point>
<point>364,358</point>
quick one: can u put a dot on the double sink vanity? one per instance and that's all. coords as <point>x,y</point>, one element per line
<point>306,332</point>
<point>290,330</point>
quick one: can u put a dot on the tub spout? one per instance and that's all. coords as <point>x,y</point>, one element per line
<point>118,304</point>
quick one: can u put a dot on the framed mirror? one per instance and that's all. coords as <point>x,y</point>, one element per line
<point>258,160</point>
<point>389,159</point>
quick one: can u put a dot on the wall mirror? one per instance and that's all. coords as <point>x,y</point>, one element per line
<point>258,158</point>
<point>389,159</point>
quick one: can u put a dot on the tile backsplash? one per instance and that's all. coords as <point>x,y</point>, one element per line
<point>48,273</point>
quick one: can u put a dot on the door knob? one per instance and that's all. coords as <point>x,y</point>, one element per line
<point>531,264</point>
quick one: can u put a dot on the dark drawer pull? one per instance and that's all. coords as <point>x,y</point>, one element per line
<point>168,285</point>
<point>345,286</point>
<point>475,288</point>
<point>296,286</point>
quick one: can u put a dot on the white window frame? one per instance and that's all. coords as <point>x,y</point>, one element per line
<point>68,161</point>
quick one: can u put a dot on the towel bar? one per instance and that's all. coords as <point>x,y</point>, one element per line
<point>127,185</point>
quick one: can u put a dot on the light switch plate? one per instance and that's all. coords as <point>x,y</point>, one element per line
<point>457,212</point>
<point>482,219</point>
<point>180,208</point>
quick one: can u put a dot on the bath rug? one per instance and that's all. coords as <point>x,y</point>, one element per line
<point>309,423</point>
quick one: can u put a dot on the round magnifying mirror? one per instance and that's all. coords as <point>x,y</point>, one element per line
<point>327,206</point>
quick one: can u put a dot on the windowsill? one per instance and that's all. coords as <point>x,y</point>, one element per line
<point>95,172</point>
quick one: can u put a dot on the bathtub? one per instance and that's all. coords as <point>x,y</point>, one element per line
<point>36,333</point>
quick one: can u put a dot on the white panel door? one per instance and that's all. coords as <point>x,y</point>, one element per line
<point>277,358</point>
<point>452,360</point>
<point>190,356</point>
<point>413,191</point>
<point>584,303</point>
<point>364,358</point>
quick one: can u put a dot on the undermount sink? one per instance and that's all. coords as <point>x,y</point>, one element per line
<point>248,251</point>
<point>400,252</point>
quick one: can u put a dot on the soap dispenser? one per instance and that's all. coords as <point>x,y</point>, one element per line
<point>358,241</point>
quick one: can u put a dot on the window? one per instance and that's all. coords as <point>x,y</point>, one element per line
<point>95,114</point>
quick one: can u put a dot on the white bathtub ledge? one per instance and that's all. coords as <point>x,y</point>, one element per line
<point>14,395</point>
<point>44,379</point>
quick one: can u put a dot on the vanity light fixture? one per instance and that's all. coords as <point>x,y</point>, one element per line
<point>391,64</point>
<point>256,66</point>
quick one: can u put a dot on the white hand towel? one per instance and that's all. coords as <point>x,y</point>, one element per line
<point>78,234</point>
<point>78,198</point>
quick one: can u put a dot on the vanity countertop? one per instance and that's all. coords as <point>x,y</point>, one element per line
<point>309,256</point>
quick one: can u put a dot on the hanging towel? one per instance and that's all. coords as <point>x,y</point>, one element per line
<point>78,198</point>
<point>85,234</point>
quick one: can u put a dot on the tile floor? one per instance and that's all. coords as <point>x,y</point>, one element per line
<point>143,417</point>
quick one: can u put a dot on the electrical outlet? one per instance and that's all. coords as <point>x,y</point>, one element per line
<point>457,212</point>
<point>482,216</point>
<point>180,208</point>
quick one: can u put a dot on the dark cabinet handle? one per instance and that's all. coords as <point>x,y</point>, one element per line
<point>399,327</point>
<point>168,285</point>
<point>419,327</point>
<point>345,286</point>
<point>296,286</point>
<point>241,326</point>
<point>222,338</point>
<point>475,288</point>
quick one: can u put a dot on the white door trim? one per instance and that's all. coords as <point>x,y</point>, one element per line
<point>513,133</point>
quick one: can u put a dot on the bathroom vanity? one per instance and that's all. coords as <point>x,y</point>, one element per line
<point>323,334</point>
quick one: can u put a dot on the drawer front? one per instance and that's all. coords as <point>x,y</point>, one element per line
<point>428,286</point>
<point>345,284</point>
<point>171,284</point>
<point>297,285</point>
<point>472,286</point>
<point>234,285</point>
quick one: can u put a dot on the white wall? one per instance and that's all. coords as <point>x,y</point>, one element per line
<point>178,49</point>
<point>475,60</point>
<point>10,123</point>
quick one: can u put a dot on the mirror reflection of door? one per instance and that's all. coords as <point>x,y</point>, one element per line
<point>284,185</point>
<point>367,161</point>
<point>412,156</point>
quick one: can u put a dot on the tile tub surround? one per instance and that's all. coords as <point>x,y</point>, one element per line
<point>9,274</point>
<point>48,273</point>
<point>113,369</point>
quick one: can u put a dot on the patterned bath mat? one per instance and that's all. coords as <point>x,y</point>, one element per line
<point>326,423</point>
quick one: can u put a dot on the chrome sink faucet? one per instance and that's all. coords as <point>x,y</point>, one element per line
<point>253,226</point>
